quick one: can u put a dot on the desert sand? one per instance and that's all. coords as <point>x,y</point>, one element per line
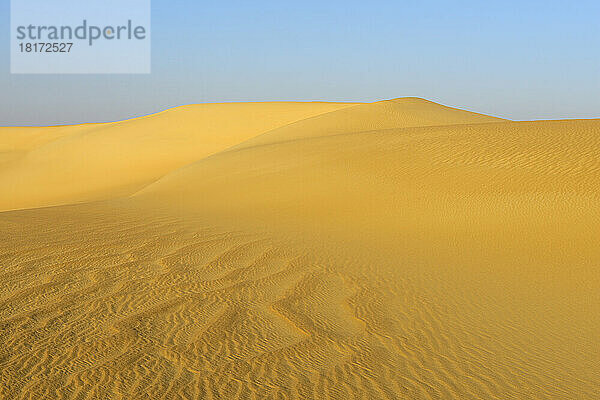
<point>391,250</point>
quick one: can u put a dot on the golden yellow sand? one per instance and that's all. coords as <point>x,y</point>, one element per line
<point>398,249</point>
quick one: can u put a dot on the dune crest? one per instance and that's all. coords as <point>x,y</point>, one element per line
<point>407,112</point>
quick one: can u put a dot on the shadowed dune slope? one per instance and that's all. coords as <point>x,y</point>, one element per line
<point>392,250</point>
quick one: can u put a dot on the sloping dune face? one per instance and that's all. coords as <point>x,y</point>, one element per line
<point>399,113</point>
<point>399,249</point>
<point>102,161</point>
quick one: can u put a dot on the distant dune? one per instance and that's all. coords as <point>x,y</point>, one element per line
<point>101,161</point>
<point>389,250</point>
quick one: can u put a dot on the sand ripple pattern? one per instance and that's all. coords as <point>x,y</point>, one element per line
<point>128,307</point>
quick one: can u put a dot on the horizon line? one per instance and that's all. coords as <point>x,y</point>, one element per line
<point>271,101</point>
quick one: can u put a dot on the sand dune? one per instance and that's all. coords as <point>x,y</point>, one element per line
<point>398,249</point>
<point>102,161</point>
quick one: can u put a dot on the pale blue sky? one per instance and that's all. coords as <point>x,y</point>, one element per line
<point>514,59</point>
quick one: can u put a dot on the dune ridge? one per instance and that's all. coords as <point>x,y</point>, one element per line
<point>101,161</point>
<point>82,163</point>
<point>389,250</point>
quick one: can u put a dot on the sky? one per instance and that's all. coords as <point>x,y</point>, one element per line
<point>520,60</point>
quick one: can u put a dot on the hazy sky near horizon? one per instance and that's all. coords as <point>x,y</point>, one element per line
<point>513,59</point>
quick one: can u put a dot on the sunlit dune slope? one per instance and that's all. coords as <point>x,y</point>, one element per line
<point>527,188</point>
<point>63,165</point>
<point>454,163</point>
<point>392,250</point>
<point>16,142</point>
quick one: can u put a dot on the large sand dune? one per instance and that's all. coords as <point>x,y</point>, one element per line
<point>101,161</point>
<point>398,249</point>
